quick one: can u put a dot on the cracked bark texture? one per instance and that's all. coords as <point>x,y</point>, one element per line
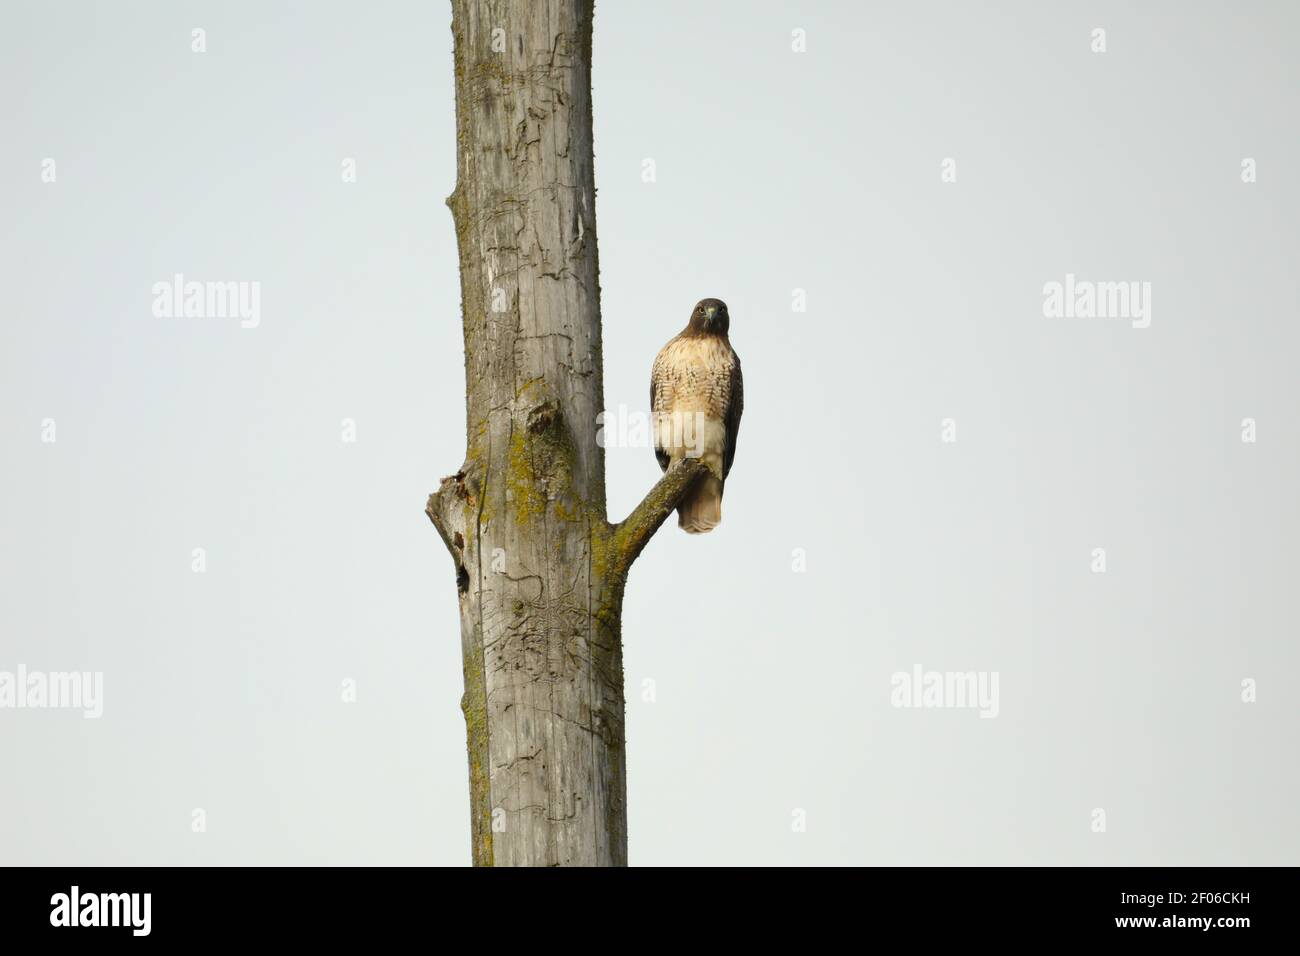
<point>539,570</point>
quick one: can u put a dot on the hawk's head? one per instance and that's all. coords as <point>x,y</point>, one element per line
<point>709,318</point>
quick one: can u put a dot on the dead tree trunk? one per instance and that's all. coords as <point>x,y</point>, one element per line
<point>539,569</point>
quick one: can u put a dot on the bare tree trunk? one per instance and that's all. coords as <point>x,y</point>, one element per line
<point>539,569</point>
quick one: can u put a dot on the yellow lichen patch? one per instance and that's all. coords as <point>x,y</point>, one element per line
<point>474,706</point>
<point>521,481</point>
<point>522,392</point>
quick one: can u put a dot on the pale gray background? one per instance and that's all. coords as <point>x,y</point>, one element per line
<point>776,171</point>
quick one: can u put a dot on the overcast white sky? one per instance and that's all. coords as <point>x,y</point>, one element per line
<point>776,171</point>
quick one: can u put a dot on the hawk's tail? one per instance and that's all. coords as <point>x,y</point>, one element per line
<point>701,509</point>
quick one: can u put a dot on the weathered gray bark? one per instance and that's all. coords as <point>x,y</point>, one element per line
<point>539,569</point>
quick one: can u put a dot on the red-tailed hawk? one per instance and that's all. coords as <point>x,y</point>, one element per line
<point>696,399</point>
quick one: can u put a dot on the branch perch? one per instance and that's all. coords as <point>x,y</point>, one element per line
<point>633,533</point>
